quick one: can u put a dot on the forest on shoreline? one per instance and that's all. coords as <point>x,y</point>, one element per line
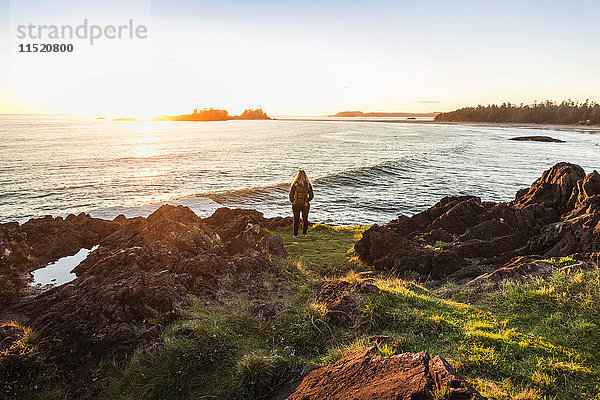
<point>548,112</point>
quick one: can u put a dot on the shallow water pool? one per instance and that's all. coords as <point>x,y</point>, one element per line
<point>60,272</point>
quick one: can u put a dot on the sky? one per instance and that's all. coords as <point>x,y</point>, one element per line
<point>304,57</point>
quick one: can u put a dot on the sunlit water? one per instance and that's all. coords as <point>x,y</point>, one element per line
<point>60,272</point>
<point>363,172</point>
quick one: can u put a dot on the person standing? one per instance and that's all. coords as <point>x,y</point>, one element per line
<point>301,193</point>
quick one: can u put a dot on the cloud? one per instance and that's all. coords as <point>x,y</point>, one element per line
<point>427,101</point>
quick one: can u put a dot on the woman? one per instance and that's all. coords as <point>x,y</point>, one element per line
<point>301,193</point>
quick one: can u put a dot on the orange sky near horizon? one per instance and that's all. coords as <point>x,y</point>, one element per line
<point>322,58</point>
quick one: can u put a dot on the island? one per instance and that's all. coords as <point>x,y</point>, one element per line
<point>206,114</point>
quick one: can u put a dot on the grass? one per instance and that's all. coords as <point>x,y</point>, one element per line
<point>22,367</point>
<point>328,250</point>
<point>560,262</point>
<point>534,340</point>
<point>440,244</point>
<point>524,341</point>
<point>226,352</point>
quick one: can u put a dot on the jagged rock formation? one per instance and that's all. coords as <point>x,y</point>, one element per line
<point>364,375</point>
<point>462,237</point>
<point>137,279</point>
<point>25,248</point>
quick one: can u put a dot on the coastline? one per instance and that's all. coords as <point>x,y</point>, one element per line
<point>589,129</point>
<point>241,287</point>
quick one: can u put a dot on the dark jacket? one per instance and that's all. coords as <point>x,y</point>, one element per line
<point>293,191</point>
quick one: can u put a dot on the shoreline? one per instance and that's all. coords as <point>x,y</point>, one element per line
<point>592,128</point>
<point>236,276</point>
<point>527,125</point>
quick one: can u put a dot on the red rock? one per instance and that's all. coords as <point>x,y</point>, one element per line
<point>588,187</point>
<point>554,189</point>
<point>459,218</point>
<point>364,375</point>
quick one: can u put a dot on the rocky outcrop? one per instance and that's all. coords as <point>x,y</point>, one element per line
<point>229,222</point>
<point>463,237</point>
<point>521,269</point>
<point>365,375</point>
<point>555,189</point>
<point>138,278</point>
<point>27,247</point>
<point>341,301</point>
<point>15,262</point>
<point>52,238</point>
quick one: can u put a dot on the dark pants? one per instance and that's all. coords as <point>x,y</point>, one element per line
<point>296,210</point>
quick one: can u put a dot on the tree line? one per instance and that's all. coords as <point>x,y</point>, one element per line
<point>548,112</point>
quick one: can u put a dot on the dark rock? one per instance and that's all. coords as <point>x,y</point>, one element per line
<point>274,245</point>
<point>519,269</point>
<point>40,241</point>
<point>52,238</point>
<point>444,376</point>
<point>244,241</point>
<point>537,139</point>
<point>438,234</point>
<point>487,230</point>
<point>427,217</point>
<point>577,232</point>
<point>340,301</point>
<point>368,288</point>
<point>588,187</point>
<point>558,215</point>
<point>139,278</point>
<point>230,222</point>
<point>459,218</point>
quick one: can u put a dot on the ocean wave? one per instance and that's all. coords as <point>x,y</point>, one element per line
<point>349,179</point>
<point>258,193</point>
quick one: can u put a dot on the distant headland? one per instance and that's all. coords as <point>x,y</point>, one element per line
<point>207,114</point>
<point>548,112</point>
<point>382,114</point>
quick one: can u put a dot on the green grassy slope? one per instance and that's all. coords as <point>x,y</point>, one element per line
<point>523,341</point>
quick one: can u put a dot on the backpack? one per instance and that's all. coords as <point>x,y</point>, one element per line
<point>301,195</point>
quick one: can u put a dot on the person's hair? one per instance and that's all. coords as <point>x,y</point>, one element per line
<point>301,177</point>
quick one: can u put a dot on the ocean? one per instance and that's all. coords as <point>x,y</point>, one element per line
<point>362,172</point>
